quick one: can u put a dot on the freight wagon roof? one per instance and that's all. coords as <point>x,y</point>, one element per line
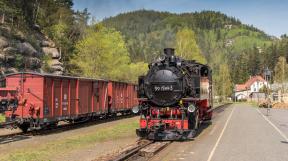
<point>56,76</point>
<point>65,76</point>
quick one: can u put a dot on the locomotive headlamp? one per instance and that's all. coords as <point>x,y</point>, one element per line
<point>191,108</point>
<point>135,109</point>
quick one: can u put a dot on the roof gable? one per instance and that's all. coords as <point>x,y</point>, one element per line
<point>248,83</point>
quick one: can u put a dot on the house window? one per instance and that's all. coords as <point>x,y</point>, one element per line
<point>254,89</point>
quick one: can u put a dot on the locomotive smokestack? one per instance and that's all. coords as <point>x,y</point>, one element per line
<point>169,51</point>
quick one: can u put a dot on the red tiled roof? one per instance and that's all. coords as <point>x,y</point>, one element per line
<point>248,83</point>
<point>240,87</point>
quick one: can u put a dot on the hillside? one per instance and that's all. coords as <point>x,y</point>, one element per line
<point>219,37</point>
<point>49,36</point>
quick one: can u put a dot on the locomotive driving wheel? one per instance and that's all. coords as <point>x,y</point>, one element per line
<point>193,120</point>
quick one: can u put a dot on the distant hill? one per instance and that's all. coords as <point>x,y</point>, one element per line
<point>157,29</point>
<point>220,37</point>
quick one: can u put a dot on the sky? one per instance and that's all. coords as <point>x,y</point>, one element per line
<point>267,15</point>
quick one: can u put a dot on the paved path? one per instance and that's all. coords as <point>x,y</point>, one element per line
<point>238,133</point>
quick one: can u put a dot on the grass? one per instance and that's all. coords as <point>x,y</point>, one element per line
<point>46,151</point>
<point>215,104</point>
<point>2,117</point>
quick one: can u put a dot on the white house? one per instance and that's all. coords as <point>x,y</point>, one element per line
<point>253,85</point>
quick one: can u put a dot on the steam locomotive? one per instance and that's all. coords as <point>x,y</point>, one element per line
<point>175,97</point>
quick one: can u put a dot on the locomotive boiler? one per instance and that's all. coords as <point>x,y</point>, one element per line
<point>175,97</point>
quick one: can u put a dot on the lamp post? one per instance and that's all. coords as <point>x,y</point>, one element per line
<point>267,76</point>
<point>247,96</point>
<point>258,88</point>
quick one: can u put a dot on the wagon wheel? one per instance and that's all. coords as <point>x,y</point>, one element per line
<point>24,127</point>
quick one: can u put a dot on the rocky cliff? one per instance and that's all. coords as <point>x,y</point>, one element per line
<point>28,51</point>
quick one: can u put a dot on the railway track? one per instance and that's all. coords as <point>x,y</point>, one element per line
<point>144,150</point>
<point>4,139</point>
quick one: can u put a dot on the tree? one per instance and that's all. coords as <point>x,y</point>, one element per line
<point>222,82</point>
<point>134,71</point>
<point>80,24</point>
<point>186,46</point>
<point>102,53</point>
<point>8,10</point>
<point>280,71</point>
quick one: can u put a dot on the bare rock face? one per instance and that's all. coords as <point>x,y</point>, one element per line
<point>2,57</point>
<point>20,36</point>
<point>26,49</point>
<point>3,42</point>
<point>5,29</point>
<point>33,62</point>
<point>49,48</point>
<point>16,51</point>
<point>8,55</point>
<point>11,70</point>
<point>58,72</point>
<point>51,51</point>
<point>55,62</point>
<point>47,43</point>
<point>10,50</point>
<point>56,68</point>
<point>9,59</point>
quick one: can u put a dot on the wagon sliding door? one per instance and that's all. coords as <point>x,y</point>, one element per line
<point>84,96</point>
<point>48,98</point>
<point>73,99</point>
<point>103,96</point>
<point>65,97</point>
<point>100,97</point>
<point>57,98</point>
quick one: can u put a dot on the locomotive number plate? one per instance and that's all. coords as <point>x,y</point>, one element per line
<point>163,88</point>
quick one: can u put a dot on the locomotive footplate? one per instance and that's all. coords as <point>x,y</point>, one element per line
<point>166,134</point>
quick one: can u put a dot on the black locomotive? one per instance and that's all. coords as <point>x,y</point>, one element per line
<point>175,97</point>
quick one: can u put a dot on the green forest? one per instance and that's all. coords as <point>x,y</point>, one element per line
<point>234,51</point>
<point>120,47</point>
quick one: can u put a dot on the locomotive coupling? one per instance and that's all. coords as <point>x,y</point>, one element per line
<point>8,105</point>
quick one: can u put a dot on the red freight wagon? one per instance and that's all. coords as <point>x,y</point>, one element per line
<point>123,96</point>
<point>33,100</point>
